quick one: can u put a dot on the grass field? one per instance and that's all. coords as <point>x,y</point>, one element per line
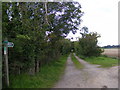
<point>103,61</point>
<point>112,52</point>
<point>46,78</point>
<point>77,64</point>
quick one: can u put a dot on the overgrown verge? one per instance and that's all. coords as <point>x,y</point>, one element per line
<point>77,64</point>
<point>104,61</point>
<point>46,78</point>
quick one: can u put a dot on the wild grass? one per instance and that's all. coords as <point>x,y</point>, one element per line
<point>46,78</point>
<point>104,61</point>
<point>77,64</point>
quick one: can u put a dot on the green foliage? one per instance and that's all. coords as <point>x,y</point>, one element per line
<point>36,42</point>
<point>76,47</point>
<point>77,64</point>
<point>103,61</point>
<point>65,46</point>
<point>87,45</point>
<point>46,78</point>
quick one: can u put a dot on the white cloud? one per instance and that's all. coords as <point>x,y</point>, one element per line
<point>101,16</point>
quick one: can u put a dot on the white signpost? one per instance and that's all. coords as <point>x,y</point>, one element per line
<point>5,50</point>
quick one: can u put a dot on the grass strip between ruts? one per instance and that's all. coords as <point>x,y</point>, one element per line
<point>77,64</point>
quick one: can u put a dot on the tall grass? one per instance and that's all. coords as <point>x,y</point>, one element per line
<point>46,78</point>
<point>77,64</point>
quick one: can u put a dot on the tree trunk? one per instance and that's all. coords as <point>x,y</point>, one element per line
<point>37,66</point>
<point>19,70</point>
<point>32,70</point>
<point>46,18</point>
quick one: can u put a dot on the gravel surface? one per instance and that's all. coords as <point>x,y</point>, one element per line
<point>89,77</point>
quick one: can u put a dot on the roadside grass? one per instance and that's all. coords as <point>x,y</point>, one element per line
<point>104,61</point>
<point>46,78</point>
<point>77,64</point>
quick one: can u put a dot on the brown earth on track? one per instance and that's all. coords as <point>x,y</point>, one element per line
<point>89,77</point>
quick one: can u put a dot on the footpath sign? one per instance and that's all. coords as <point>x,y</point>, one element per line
<point>10,44</point>
<point>6,45</point>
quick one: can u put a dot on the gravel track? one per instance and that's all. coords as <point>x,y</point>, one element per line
<point>89,77</point>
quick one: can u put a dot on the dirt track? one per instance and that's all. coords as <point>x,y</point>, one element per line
<point>89,77</point>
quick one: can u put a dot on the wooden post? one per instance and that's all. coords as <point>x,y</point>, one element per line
<point>6,62</point>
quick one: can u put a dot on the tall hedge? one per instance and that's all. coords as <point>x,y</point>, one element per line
<point>36,42</point>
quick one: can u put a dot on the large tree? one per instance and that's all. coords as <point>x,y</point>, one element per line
<point>88,45</point>
<point>37,30</point>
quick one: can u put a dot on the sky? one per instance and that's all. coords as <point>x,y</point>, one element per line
<point>100,16</point>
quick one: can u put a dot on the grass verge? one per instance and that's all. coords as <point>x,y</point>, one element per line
<point>77,64</point>
<point>103,61</point>
<point>46,78</point>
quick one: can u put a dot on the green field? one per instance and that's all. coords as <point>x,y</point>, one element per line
<point>102,60</point>
<point>46,78</point>
<point>77,64</point>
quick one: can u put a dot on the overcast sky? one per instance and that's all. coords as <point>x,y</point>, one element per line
<point>100,16</point>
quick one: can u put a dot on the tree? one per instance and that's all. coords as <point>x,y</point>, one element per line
<point>88,45</point>
<point>84,31</point>
<point>38,31</point>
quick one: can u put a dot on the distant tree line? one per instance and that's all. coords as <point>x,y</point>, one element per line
<point>111,46</point>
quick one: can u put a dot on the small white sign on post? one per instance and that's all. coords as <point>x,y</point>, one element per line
<point>10,44</point>
<point>5,50</point>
